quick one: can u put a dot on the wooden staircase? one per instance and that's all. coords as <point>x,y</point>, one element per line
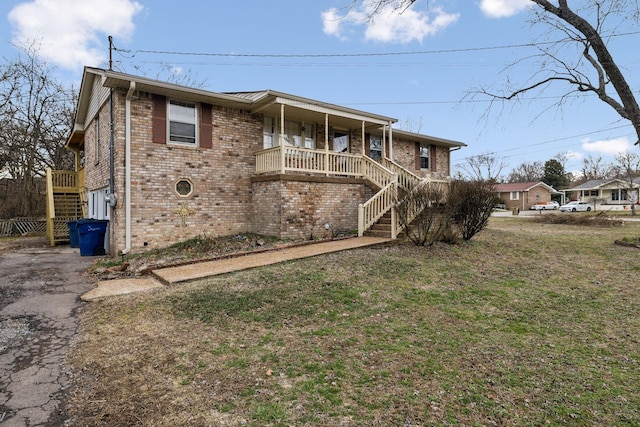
<point>64,203</point>
<point>382,228</point>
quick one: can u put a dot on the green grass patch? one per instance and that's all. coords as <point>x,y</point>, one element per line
<point>502,330</point>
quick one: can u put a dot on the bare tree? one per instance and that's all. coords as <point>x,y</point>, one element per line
<point>595,168</point>
<point>527,172</point>
<point>36,113</point>
<point>591,67</point>
<point>628,165</point>
<point>581,59</point>
<point>484,167</point>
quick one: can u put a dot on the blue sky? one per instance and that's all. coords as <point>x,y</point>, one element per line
<point>419,67</point>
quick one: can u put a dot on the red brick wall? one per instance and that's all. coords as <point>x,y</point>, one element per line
<point>404,153</point>
<point>299,207</point>
<point>220,203</point>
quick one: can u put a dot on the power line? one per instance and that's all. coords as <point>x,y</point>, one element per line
<point>555,140</point>
<point>342,55</point>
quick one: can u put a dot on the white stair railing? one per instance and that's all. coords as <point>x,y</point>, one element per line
<point>373,209</point>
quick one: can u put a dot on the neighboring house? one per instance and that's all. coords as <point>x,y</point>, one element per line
<point>165,163</point>
<point>607,194</point>
<point>523,195</point>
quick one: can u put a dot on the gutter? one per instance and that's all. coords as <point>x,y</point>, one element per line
<point>127,173</point>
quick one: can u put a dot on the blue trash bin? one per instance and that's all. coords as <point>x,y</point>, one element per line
<point>91,236</point>
<point>73,234</point>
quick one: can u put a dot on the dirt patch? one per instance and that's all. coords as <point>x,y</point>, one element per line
<point>8,244</point>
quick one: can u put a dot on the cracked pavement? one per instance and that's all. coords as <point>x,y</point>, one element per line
<point>39,295</point>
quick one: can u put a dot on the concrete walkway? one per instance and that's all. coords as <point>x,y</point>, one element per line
<point>184,273</point>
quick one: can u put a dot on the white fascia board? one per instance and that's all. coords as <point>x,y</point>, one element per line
<point>325,109</point>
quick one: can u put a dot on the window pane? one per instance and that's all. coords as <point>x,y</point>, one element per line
<point>268,132</point>
<point>182,122</point>
<point>182,112</point>
<point>375,148</point>
<point>340,142</point>
<point>309,136</point>
<point>182,132</point>
<point>424,157</point>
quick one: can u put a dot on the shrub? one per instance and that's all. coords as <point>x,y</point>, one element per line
<point>422,212</point>
<point>431,212</point>
<point>471,203</point>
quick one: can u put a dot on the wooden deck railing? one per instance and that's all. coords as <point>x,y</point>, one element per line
<point>385,175</point>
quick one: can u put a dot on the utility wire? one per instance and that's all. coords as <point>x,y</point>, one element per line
<point>342,55</point>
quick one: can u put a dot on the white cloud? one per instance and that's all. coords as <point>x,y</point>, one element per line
<point>607,147</point>
<point>388,25</point>
<point>72,33</point>
<point>331,20</point>
<point>574,155</point>
<point>503,8</point>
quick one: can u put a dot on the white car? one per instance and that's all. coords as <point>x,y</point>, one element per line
<point>545,205</point>
<point>575,207</point>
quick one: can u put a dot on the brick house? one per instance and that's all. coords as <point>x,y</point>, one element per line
<point>523,195</point>
<point>165,162</point>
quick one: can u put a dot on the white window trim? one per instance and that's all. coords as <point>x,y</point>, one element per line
<point>514,195</point>
<point>196,123</point>
<point>427,148</point>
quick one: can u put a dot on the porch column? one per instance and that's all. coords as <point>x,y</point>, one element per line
<point>363,146</point>
<point>326,144</point>
<point>77,166</point>
<point>282,153</point>
<point>390,142</point>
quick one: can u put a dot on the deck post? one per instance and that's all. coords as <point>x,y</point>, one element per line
<point>282,151</point>
<point>360,220</point>
<point>326,144</point>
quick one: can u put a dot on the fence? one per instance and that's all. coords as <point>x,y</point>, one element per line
<point>23,227</point>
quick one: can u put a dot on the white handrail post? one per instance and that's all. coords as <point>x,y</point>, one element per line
<point>360,220</point>
<point>394,227</point>
<point>282,152</point>
<point>326,144</point>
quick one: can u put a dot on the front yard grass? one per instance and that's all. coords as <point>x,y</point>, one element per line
<point>527,324</point>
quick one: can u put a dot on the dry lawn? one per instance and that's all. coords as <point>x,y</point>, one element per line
<point>527,324</point>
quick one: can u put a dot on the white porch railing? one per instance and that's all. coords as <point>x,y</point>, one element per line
<point>306,160</point>
<point>406,178</point>
<point>373,209</point>
<point>386,175</point>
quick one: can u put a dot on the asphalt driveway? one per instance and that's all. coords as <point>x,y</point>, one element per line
<point>39,295</point>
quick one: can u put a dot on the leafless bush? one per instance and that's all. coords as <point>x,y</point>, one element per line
<point>447,212</point>
<point>471,203</point>
<point>422,212</point>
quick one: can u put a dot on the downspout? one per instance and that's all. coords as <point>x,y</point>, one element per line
<point>127,169</point>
